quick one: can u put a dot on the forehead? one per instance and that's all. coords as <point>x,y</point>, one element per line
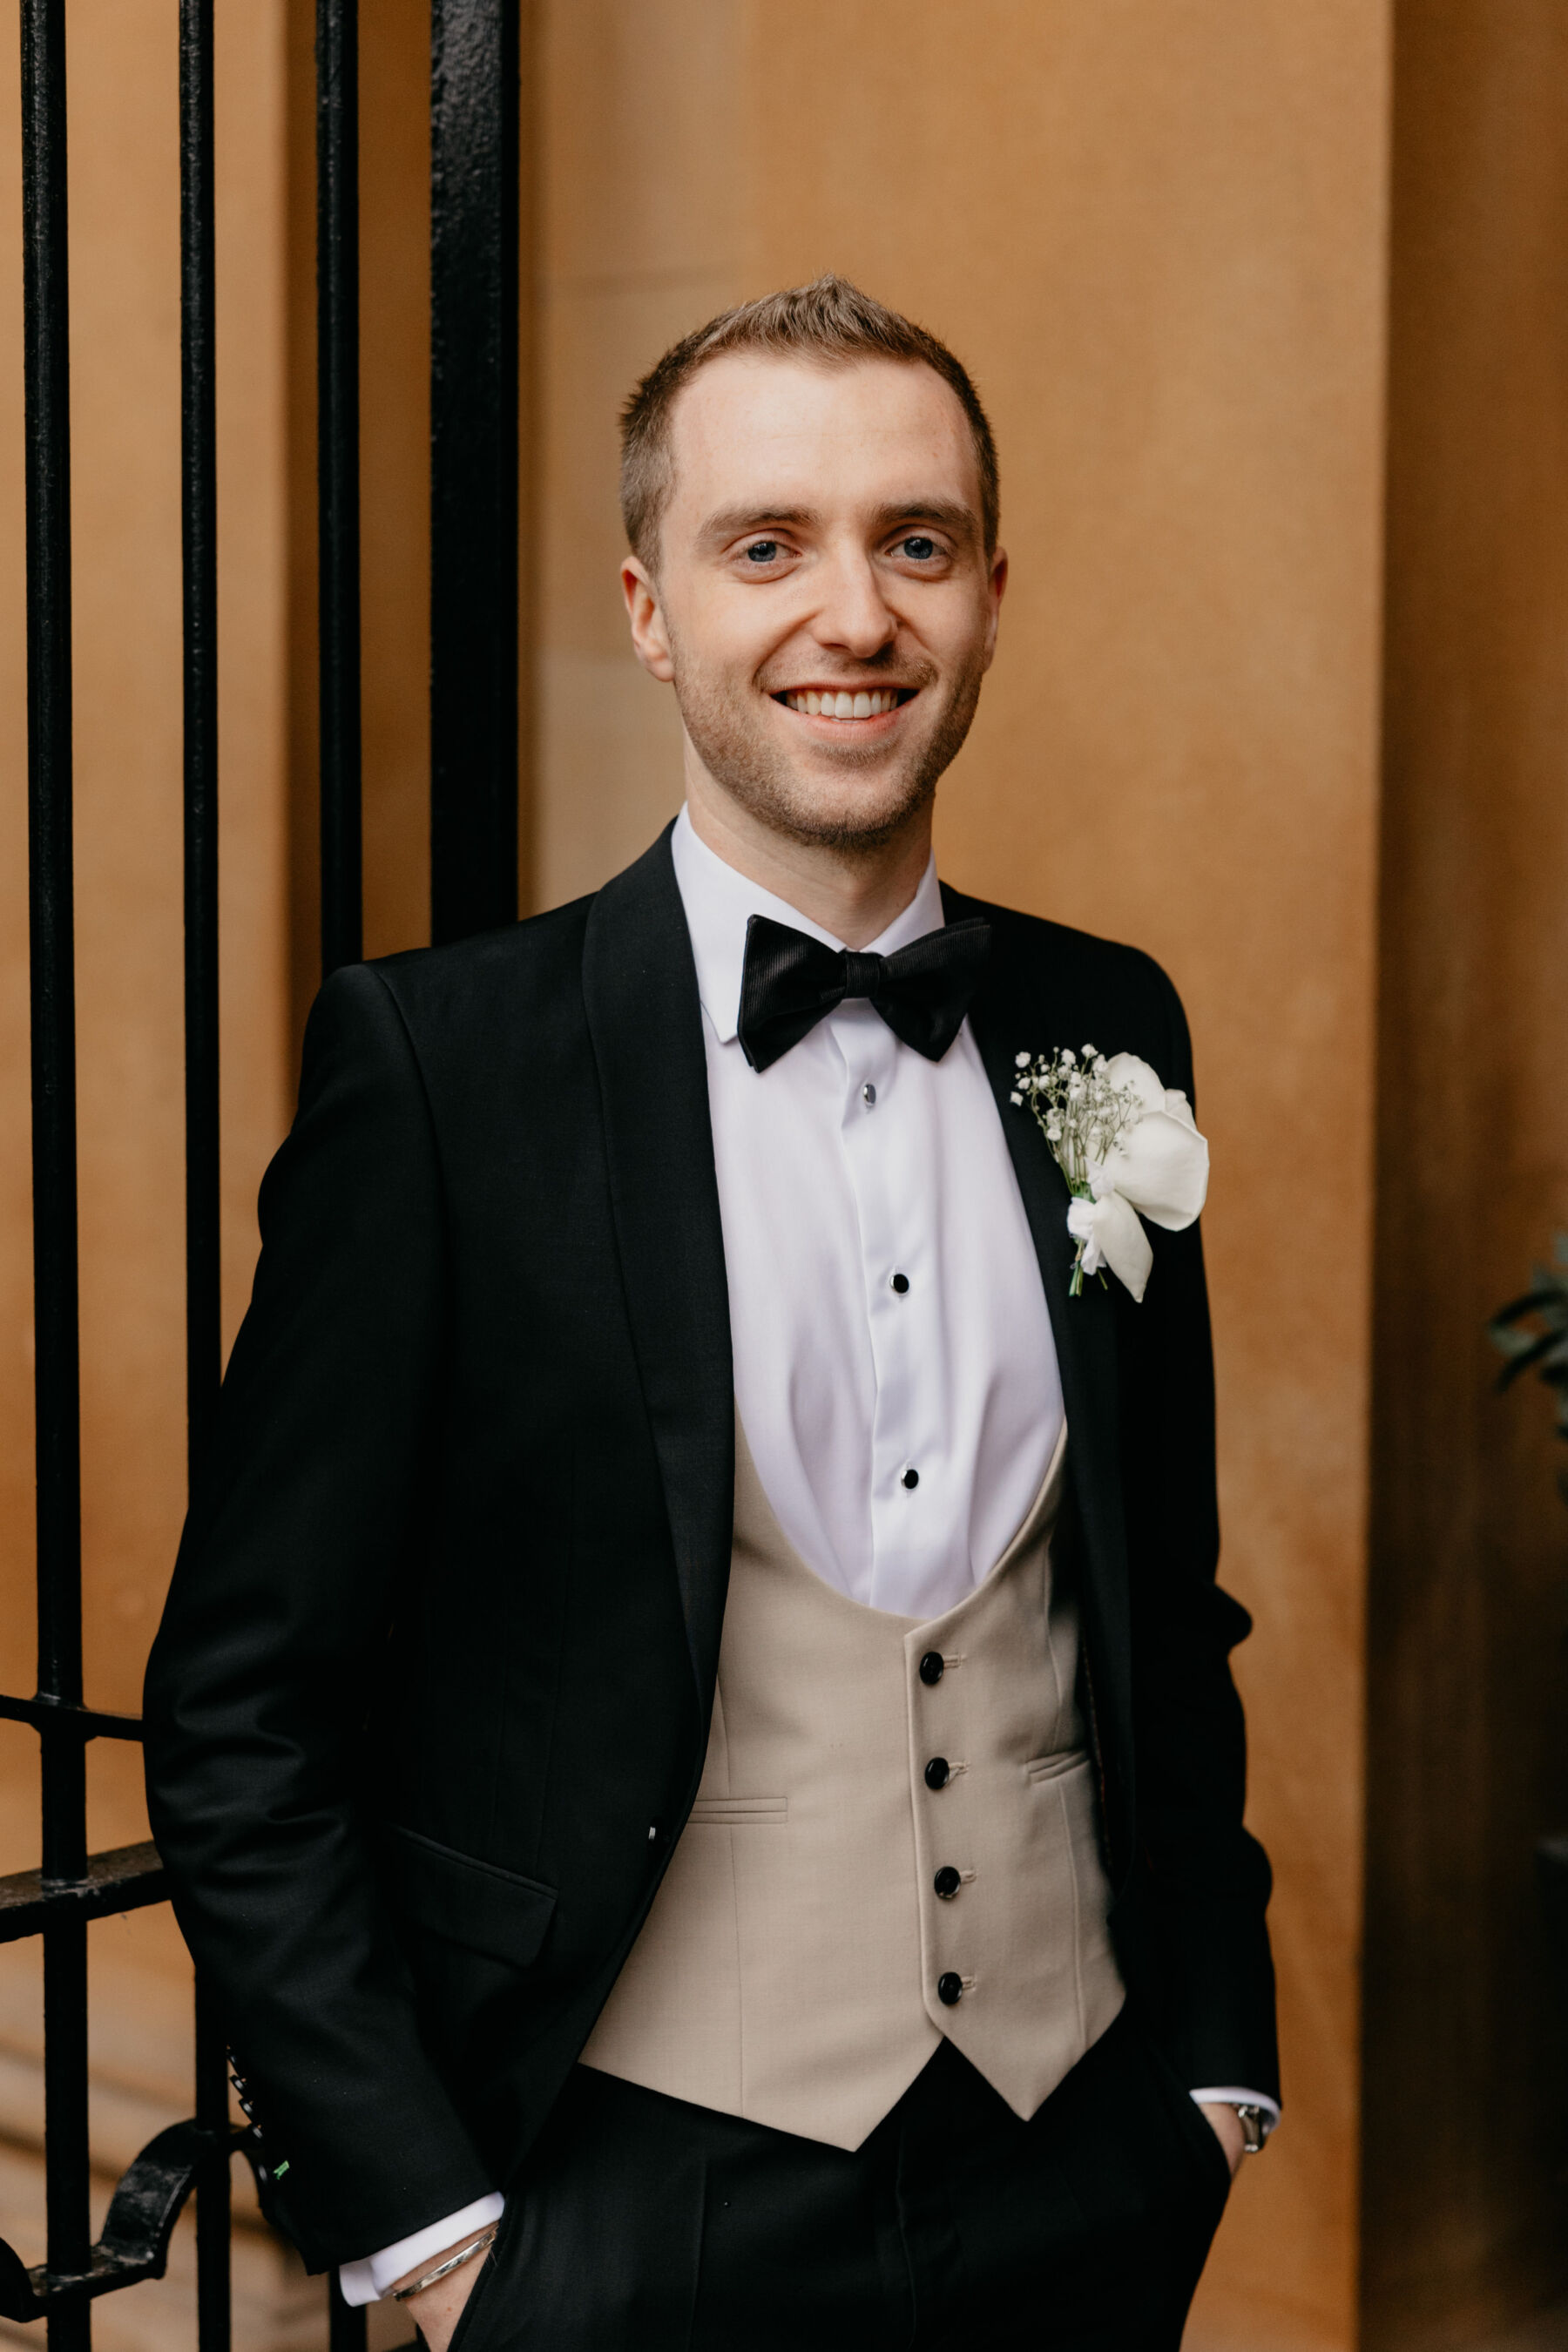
<point>754,429</point>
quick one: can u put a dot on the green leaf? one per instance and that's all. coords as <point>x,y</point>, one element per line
<point>1531,1353</point>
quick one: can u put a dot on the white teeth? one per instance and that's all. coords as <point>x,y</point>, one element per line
<point>814,705</point>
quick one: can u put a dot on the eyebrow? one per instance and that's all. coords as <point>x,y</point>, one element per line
<point>961,521</point>
<point>734,522</point>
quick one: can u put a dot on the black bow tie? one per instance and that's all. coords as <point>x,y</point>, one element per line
<point>922,991</point>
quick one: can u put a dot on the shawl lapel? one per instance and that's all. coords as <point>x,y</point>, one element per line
<point>1006,1017</point>
<point>639,985</point>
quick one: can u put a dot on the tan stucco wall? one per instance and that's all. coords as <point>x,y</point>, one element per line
<point>1157,236</point>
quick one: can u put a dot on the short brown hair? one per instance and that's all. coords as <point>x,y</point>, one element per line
<point>830,322</point>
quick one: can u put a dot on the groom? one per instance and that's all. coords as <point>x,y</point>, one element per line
<point>692,1731</point>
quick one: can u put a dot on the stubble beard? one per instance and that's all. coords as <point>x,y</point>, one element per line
<point>788,795</point>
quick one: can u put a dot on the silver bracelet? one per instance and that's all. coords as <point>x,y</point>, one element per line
<point>452,2262</point>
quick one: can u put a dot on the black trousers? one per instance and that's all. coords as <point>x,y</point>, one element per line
<point>641,2224</point>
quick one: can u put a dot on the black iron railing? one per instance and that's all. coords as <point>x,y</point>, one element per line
<point>474,840</point>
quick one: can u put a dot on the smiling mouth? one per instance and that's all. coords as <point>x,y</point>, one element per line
<point>813,703</point>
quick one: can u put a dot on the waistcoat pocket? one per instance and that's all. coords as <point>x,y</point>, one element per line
<point>737,1812</point>
<point>1051,1768</point>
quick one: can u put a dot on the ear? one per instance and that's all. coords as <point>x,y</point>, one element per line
<point>996,587</point>
<point>651,639</point>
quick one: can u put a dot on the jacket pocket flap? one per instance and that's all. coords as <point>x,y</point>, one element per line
<point>469,1902</point>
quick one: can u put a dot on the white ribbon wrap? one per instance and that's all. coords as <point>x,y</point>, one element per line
<point>1160,1171</point>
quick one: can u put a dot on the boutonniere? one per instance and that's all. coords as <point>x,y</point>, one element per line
<point>1128,1148</point>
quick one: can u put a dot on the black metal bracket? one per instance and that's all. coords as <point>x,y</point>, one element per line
<point>137,2228</point>
<point>59,1715</point>
<point>126,1878</point>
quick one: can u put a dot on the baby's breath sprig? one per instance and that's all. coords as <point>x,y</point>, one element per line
<point>1082,1116</point>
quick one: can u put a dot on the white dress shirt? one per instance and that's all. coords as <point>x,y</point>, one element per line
<point>894,1366</point>
<point>895,1370</point>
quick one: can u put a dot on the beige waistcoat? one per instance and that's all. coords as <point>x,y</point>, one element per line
<point>788,1971</point>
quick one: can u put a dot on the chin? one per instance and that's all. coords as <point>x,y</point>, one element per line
<point>833,815</point>
<point>849,795</point>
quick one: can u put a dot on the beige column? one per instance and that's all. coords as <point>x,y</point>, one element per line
<point>1466,2095</point>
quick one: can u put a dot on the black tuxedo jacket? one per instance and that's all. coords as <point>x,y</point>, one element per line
<point>430,1702</point>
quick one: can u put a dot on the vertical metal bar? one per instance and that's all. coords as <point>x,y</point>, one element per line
<point>67,2157</point>
<point>66,2153</point>
<point>338,563</point>
<point>56,1385</point>
<point>474,97</point>
<point>52,928</point>
<point>337,472</point>
<point>204,1264</point>
<point>199,472</point>
<point>213,2298</point>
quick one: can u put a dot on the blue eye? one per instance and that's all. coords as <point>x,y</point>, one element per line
<point>918,549</point>
<point>763,551</point>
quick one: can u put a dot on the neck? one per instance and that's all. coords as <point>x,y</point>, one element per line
<point>852,891</point>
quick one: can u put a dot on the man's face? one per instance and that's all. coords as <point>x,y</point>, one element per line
<point>824,603</point>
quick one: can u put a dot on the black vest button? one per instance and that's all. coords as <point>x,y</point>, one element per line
<point>950,1988</point>
<point>911,1478</point>
<point>937,1774</point>
<point>931,1666</point>
<point>901,1283</point>
<point>947,1882</point>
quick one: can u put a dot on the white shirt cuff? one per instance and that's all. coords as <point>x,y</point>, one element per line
<point>1230,2098</point>
<point>368,2280</point>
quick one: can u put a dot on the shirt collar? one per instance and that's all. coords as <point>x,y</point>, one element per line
<point>719,902</point>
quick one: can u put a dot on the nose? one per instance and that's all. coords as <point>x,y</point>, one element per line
<point>853,616</point>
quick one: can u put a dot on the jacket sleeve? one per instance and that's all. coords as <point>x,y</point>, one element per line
<point>305,1521</point>
<point>1208,1877</point>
